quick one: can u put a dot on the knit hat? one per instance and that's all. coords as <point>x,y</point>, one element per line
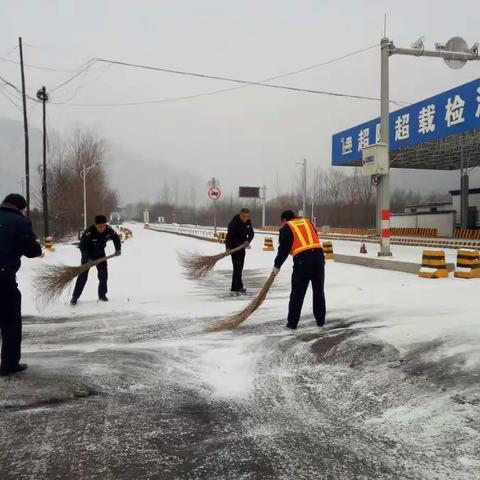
<point>16,200</point>
<point>100,219</point>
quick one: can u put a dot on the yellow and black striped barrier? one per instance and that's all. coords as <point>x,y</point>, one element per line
<point>434,264</point>
<point>468,264</point>
<point>466,233</point>
<point>268,245</point>
<point>328,250</point>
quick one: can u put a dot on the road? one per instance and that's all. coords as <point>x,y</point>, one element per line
<point>140,391</point>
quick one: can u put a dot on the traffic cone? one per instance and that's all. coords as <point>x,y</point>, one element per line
<point>363,248</point>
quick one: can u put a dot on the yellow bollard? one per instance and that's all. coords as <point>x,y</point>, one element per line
<point>328,250</point>
<point>434,264</point>
<point>268,245</point>
<point>468,264</point>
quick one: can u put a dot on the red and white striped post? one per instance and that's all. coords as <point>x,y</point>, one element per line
<point>385,234</point>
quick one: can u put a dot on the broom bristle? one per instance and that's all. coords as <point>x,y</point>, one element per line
<point>198,266</point>
<point>52,280</point>
<point>237,319</point>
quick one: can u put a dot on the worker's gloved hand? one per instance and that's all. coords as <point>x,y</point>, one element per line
<point>276,271</point>
<point>118,253</point>
<point>246,244</point>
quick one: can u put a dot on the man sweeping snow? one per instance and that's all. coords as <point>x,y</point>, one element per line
<point>299,238</point>
<point>16,239</point>
<point>240,232</point>
<point>92,245</point>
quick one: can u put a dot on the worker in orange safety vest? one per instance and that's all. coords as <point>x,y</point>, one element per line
<point>299,238</point>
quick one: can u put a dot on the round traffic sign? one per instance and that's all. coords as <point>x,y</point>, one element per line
<point>214,193</point>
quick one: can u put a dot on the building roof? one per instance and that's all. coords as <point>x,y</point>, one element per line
<point>428,204</point>
<point>470,191</point>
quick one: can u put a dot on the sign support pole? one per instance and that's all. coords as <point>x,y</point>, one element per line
<point>383,189</point>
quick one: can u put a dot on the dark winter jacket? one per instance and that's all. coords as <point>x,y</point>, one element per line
<point>16,238</point>
<point>93,243</point>
<point>238,233</point>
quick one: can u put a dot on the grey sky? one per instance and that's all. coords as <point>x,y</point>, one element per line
<point>246,136</point>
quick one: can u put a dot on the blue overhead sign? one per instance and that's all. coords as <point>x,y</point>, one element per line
<point>449,113</point>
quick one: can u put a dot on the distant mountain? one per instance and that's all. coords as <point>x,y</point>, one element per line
<point>138,177</point>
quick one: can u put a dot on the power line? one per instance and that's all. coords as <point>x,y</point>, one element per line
<point>6,82</point>
<point>37,67</point>
<point>77,73</point>
<point>5,94</point>
<point>233,80</point>
<point>244,84</point>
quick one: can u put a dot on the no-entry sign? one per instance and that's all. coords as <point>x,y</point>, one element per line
<point>214,193</point>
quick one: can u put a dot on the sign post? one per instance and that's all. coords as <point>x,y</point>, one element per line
<point>453,112</point>
<point>214,194</point>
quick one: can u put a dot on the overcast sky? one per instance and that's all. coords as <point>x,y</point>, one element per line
<point>249,135</point>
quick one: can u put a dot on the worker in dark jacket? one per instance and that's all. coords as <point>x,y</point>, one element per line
<point>92,246</point>
<point>16,239</point>
<point>299,238</point>
<point>240,232</point>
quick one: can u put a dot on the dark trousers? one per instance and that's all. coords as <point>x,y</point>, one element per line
<point>102,270</point>
<point>10,322</point>
<point>238,260</point>
<point>307,267</point>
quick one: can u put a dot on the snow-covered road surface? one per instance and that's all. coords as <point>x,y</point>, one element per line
<point>139,388</point>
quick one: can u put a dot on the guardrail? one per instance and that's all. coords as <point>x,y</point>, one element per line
<point>193,232</point>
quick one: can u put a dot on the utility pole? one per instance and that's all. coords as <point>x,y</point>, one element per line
<point>43,97</point>
<point>25,128</point>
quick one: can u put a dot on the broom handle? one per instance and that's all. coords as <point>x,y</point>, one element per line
<point>234,250</point>
<point>93,263</point>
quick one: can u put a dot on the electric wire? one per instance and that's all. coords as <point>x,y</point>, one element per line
<point>244,84</point>
<point>37,67</point>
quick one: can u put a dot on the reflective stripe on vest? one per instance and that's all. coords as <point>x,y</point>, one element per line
<point>305,236</point>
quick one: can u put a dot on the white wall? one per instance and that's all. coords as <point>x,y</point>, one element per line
<point>444,222</point>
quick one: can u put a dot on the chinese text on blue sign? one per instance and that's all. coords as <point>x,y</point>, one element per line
<point>449,113</point>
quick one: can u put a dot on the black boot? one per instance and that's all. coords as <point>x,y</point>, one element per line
<point>103,298</point>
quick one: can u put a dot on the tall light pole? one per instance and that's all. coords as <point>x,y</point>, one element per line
<point>43,97</point>
<point>304,186</point>
<point>264,204</point>
<point>83,176</point>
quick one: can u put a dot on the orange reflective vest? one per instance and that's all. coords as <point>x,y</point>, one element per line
<point>305,236</point>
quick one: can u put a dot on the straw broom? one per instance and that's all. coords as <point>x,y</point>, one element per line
<point>237,319</point>
<point>52,280</point>
<point>198,266</point>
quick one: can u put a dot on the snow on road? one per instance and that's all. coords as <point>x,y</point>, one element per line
<point>140,388</point>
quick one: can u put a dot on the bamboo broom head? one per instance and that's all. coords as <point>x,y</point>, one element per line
<point>199,266</point>
<point>237,319</point>
<point>52,280</point>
